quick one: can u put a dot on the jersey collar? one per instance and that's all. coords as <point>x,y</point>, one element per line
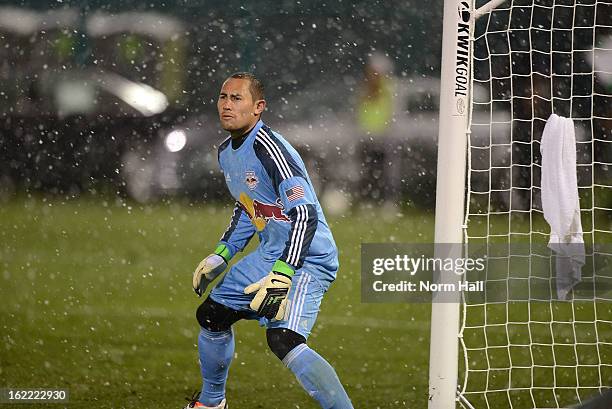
<point>237,143</point>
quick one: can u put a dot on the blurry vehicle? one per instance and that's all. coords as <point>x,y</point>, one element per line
<point>78,130</point>
<point>72,104</point>
<point>182,161</point>
<point>64,131</point>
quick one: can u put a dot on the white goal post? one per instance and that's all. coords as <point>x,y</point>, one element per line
<point>516,62</point>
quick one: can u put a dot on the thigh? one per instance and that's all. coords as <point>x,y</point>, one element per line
<point>304,303</point>
<point>230,290</point>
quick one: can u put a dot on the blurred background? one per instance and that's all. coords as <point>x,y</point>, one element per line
<point>120,96</point>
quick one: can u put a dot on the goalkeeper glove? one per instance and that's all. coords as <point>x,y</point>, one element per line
<point>208,270</point>
<point>271,292</point>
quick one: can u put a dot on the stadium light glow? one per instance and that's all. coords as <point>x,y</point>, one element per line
<point>176,140</point>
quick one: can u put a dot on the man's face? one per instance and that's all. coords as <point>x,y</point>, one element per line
<point>238,112</point>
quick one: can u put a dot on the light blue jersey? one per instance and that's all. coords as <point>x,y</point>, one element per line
<point>275,199</point>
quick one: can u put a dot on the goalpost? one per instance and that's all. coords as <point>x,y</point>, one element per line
<point>506,66</point>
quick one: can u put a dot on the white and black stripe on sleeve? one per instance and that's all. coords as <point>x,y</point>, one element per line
<point>277,161</point>
<point>303,227</point>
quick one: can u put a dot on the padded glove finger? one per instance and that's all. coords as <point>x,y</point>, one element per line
<point>270,301</point>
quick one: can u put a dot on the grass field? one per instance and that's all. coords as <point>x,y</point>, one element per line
<point>96,298</point>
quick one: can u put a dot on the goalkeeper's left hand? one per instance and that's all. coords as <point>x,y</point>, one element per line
<point>271,292</point>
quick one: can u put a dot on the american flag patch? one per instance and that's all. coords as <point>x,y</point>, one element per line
<point>295,193</point>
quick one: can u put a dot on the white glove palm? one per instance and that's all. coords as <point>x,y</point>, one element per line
<point>271,295</point>
<point>207,271</point>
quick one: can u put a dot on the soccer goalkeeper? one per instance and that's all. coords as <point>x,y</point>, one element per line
<point>283,281</point>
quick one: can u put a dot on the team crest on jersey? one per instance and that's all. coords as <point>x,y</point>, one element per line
<point>251,180</point>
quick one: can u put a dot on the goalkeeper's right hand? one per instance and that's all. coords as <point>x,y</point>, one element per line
<point>207,271</point>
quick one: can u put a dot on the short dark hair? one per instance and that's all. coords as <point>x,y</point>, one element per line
<point>255,86</point>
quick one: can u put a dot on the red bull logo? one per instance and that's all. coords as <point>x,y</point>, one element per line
<point>260,212</point>
<point>269,211</point>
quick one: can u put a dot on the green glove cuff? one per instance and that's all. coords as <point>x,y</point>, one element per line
<point>224,252</point>
<point>281,267</point>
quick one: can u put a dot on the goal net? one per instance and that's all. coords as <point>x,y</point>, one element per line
<point>521,344</point>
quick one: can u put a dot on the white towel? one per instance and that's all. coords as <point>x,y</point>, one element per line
<point>560,201</point>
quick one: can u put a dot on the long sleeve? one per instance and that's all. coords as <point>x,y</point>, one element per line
<point>303,228</point>
<point>289,180</point>
<point>238,233</point>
